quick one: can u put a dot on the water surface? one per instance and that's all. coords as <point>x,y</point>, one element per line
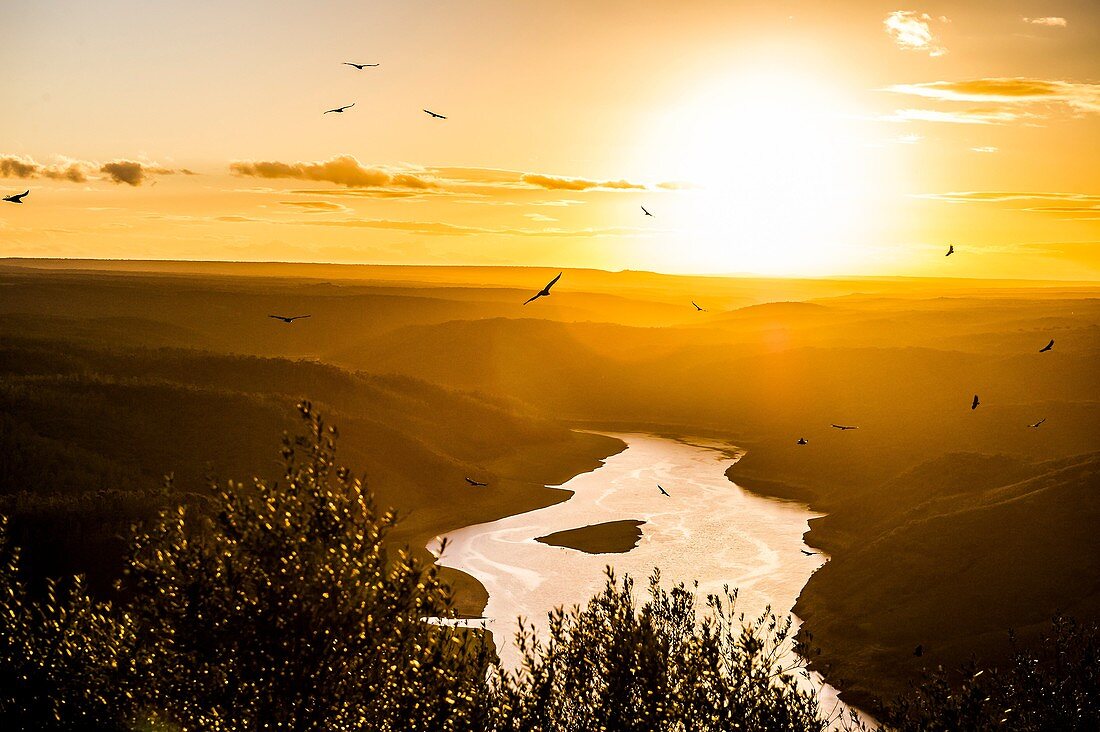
<point>707,530</point>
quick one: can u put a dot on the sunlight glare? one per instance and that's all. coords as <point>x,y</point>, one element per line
<point>778,174</point>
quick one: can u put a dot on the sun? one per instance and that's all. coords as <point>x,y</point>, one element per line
<point>776,173</point>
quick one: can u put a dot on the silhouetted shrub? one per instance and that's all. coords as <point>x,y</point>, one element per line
<point>63,657</point>
<point>614,666</point>
<point>282,608</point>
<point>1051,685</point>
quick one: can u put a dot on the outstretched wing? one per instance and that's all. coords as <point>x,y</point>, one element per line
<point>299,317</point>
<point>551,282</point>
<point>277,317</point>
<point>536,296</point>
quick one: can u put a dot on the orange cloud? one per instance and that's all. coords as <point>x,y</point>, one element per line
<point>342,170</point>
<point>576,184</point>
<point>366,180</point>
<point>316,206</point>
<point>1008,91</point>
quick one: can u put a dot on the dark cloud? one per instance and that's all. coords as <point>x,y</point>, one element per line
<point>15,166</point>
<point>130,172</point>
<point>78,171</point>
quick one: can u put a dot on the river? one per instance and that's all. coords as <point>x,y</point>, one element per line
<point>707,529</point>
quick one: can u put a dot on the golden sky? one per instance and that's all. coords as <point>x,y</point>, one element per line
<point>782,137</point>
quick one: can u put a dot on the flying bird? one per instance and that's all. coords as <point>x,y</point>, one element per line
<point>808,554</point>
<point>340,110</point>
<point>473,482</point>
<point>702,310</point>
<point>974,404</point>
<point>919,650</point>
<point>647,213</point>
<point>544,292</point>
<point>1033,426</point>
<point>1044,349</point>
<point>950,250</point>
<point>662,490</point>
<point>358,66</point>
<point>845,427</point>
<point>802,441</point>
<point>18,197</point>
<point>287,319</point>
<point>433,114</point>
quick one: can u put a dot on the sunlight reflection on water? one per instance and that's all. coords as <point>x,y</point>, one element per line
<point>708,530</point>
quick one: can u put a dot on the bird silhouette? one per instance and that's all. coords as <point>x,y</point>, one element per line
<point>340,110</point>
<point>433,114</point>
<point>544,292</point>
<point>647,213</point>
<point>358,66</point>
<point>802,441</point>
<point>18,197</point>
<point>702,310</point>
<point>845,427</point>
<point>288,319</point>
<point>919,650</point>
<point>974,404</point>
<point>808,554</point>
<point>473,482</point>
<point>1048,346</point>
<point>950,250</point>
<point>1033,426</point>
<point>662,490</point>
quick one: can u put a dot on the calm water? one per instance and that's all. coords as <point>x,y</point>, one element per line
<point>708,530</point>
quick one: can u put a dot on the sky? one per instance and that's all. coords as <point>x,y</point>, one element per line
<point>784,137</point>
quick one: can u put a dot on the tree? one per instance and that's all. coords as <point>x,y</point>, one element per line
<point>280,607</point>
<point>613,666</point>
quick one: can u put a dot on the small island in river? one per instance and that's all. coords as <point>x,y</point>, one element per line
<point>612,537</point>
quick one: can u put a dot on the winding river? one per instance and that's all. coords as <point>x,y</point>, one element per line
<point>707,529</point>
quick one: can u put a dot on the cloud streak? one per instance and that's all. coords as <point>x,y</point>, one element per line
<point>347,171</point>
<point>438,228</point>
<point>555,183</point>
<point>969,117</point>
<point>1052,21</point>
<point>1008,91</point>
<point>342,170</point>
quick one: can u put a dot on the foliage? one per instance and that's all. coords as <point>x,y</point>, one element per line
<point>284,609</point>
<point>614,666</point>
<point>62,658</point>
<point>1053,684</point>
